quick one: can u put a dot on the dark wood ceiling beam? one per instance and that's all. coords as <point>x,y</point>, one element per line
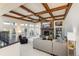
<point>52,10</point>
<point>58,8</point>
<point>25,8</point>
<point>21,15</point>
<point>60,15</point>
<point>56,16</point>
<point>67,7</point>
<point>16,18</point>
<point>14,12</point>
<point>48,9</point>
<point>50,20</point>
<point>67,10</point>
<point>59,19</point>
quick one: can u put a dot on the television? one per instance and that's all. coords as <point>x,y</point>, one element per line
<point>46,33</point>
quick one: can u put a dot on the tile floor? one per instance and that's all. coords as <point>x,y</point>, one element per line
<point>27,50</point>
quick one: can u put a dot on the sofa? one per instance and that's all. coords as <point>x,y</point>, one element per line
<point>52,47</point>
<point>44,45</point>
<point>59,48</point>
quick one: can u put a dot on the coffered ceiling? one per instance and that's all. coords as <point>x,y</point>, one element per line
<point>37,12</point>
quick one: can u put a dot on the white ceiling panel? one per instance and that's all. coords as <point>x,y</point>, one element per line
<point>13,15</point>
<point>45,15</point>
<point>35,17</point>
<point>35,7</point>
<point>54,5</point>
<point>60,12</point>
<point>20,10</point>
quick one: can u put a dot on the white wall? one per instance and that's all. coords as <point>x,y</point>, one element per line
<point>71,21</point>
